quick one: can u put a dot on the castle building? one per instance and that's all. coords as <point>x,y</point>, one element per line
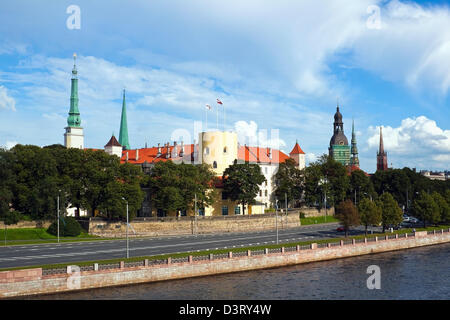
<point>339,149</point>
<point>382,163</point>
<point>74,136</point>
<point>218,149</point>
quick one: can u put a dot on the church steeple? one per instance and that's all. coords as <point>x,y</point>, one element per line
<point>354,161</point>
<point>381,155</point>
<point>74,119</point>
<point>123,135</point>
<point>74,136</point>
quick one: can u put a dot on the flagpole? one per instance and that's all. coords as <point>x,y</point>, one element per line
<point>206,114</point>
<point>217,113</point>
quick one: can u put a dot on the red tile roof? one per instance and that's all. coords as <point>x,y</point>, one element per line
<point>245,153</point>
<point>113,142</point>
<point>297,149</point>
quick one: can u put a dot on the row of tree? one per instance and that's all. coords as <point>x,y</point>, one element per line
<point>33,178</point>
<point>385,210</point>
<point>327,177</point>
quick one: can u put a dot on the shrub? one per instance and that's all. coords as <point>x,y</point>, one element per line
<point>302,215</point>
<point>68,227</point>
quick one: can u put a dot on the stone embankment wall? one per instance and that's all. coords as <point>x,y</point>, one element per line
<point>191,225</point>
<point>27,224</point>
<point>32,281</point>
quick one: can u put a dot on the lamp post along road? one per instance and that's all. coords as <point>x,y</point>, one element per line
<point>58,213</point>
<point>127,230</point>
<point>276,216</point>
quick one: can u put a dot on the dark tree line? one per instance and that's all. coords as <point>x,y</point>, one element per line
<point>32,178</point>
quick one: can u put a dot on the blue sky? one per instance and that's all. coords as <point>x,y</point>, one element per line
<point>276,65</point>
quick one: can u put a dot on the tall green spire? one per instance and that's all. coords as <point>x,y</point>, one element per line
<point>123,135</point>
<point>74,119</point>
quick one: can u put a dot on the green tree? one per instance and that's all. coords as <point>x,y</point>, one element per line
<point>338,182</point>
<point>174,186</point>
<point>369,212</point>
<point>426,209</point>
<point>241,182</point>
<point>7,181</point>
<point>391,214</point>
<point>347,214</point>
<point>444,207</point>
<point>36,186</point>
<point>360,183</point>
<point>289,180</point>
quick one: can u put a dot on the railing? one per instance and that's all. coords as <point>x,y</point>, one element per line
<point>217,256</point>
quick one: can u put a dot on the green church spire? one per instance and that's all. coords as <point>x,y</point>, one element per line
<point>74,119</point>
<point>123,135</point>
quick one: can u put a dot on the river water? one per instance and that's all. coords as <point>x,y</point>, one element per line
<point>419,273</point>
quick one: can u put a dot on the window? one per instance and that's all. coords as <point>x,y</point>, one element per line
<point>224,196</point>
<point>265,193</point>
<point>224,210</point>
<point>206,151</point>
<point>225,150</point>
<point>260,193</point>
<point>215,164</point>
<point>265,169</point>
<point>237,210</point>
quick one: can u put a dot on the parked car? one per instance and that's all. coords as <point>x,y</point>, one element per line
<point>340,229</point>
<point>406,218</point>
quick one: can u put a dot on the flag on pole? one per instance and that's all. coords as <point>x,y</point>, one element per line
<point>219,102</point>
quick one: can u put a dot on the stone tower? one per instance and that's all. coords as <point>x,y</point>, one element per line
<point>339,149</point>
<point>74,136</point>
<point>123,134</point>
<point>298,155</point>
<point>354,161</point>
<point>381,154</point>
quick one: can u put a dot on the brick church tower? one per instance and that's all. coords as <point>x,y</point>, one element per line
<point>381,155</point>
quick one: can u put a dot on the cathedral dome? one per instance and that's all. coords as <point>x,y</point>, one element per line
<point>339,138</point>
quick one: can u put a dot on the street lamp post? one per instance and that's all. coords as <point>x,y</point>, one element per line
<point>59,191</point>
<point>276,216</point>
<point>127,230</point>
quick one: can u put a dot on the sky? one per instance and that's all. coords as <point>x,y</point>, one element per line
<point>279,67</point>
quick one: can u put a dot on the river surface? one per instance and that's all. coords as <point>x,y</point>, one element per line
<point>419,273</point>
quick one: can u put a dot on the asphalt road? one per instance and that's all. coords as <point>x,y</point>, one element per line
<point>39,254</point>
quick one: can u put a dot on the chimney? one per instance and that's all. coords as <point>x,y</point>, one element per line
<point>269,153</point>
<point>174,151</point>
<point>126,157</point>
<point>137,154</point>
<point>182,149</point>
<point>159,150</point>
<point>168,150</point>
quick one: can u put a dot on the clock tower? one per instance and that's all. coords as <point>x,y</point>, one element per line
<point>74,136</point>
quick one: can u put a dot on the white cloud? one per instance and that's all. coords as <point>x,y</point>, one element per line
<point>248,134</point>
<point>6,102</point>
<point>416,140</point>
<point>10,144</point>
